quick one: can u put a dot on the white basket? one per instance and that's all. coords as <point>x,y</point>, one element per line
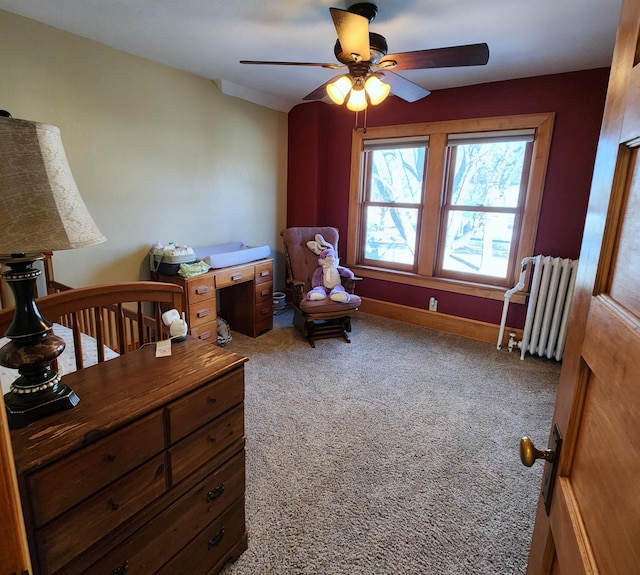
<point>279,300</point>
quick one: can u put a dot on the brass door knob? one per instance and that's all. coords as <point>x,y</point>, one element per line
<point>529,453</point>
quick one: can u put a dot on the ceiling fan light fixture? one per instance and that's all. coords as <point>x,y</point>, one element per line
<point>377,90</point>
<point>339,89</point>
<point>357,99</point>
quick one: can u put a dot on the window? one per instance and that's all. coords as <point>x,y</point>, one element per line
<point>393,203</point>
<point>449,202</point>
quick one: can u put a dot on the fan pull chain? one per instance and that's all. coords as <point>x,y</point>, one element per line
<point>364,125</point>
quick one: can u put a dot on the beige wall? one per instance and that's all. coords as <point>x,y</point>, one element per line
<point>158,154</point>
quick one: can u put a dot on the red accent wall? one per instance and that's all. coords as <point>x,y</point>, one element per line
<point>320,156</point>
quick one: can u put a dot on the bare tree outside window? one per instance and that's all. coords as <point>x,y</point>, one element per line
<point>482,203</point>
<point>394,204</point>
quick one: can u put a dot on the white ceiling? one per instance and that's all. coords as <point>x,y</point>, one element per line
<point>209,37</point>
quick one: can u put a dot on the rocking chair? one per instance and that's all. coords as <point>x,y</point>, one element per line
<point>315,319</point>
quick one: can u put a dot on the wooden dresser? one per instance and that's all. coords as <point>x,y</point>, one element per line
<point>147,474</point>
<point>244,297</point>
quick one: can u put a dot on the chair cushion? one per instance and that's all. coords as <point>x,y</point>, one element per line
<point>303,261</point>
<point>327,305</point>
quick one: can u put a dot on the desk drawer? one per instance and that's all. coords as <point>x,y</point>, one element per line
<point>193,451</point>
<point>199,407</point>
<point>202,312</point>
<point>200,288</point>
<point>206,332</point>
<point>61,485</point>
<point>165,535</point>
<point>217,539</point>
<point>264,272</point>
<point>76,531</point>
<point>234,276</point>
<point>264,293</point>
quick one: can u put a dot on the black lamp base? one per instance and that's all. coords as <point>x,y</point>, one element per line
<point>33,348</point>
<point>21,411</point>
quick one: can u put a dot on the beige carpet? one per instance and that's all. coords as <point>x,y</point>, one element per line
<point>395,454</point>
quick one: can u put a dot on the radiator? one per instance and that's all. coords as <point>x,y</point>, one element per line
<point>550,296</point>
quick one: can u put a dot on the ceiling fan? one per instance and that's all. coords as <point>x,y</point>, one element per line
<point>371,72</point>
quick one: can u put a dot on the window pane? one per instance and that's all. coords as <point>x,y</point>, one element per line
<point>478,243</point>
<point>390,234</point>
<point>396,175</point>
<point>488,174</point>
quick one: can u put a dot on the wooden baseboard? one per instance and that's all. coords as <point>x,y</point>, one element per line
<point>482,331</point>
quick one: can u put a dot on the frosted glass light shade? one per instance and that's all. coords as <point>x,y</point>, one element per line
<point>339,89</point>
<point>40,206</point>
<point>376,90</point>
<point>357,100</point>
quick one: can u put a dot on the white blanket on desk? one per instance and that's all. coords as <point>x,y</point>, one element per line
<point>66,360</point>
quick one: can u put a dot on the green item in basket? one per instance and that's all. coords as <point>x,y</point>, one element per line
<point>190,270</point>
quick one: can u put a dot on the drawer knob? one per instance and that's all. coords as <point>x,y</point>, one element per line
<point>264,273</point>
<point>264,292</point>
<point>211,439</point>
<point>212,400</point>
<point>202,289</point>
<point>115,506</point>
<point>204,335</point>
<point>110,457</point>
<point>122,569</point>
<point>215,540</point>
<point>236,277</point>
<point>215,493</point>
<point>203,312</point>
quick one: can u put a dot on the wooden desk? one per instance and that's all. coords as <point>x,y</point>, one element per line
<point>245,298</point>
<point>146,475</point>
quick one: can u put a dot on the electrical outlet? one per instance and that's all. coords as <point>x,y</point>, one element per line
<point>433,304</point>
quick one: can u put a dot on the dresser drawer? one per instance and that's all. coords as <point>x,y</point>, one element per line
<point>193,451</point>
<point>158,541</point>
<point>200,288</point>
<point>201,312</point>
<point>199,407</point>
<point>264,293</point>
<point>264,272</point>
<point>210,547</point>
<point>205,332</point>
<point>61,485</point>
<point>83,526</point>
<point>234,276</point>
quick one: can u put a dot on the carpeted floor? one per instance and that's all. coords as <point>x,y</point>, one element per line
<point>395,454</point>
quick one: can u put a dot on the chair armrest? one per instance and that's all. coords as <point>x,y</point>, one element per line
<point>350,283</point>
<point>297,289</point>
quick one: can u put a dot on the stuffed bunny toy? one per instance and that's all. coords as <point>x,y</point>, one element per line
<point>326,280</point>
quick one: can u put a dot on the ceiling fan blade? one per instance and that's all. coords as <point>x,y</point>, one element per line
<point>353,32</point>
<point>453,56</point>
<point>321,91</point>
<point>318,64</point>
<point>404,88</point>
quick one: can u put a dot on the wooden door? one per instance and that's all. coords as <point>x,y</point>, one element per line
<point>14,553</point>
<point>593,525</point>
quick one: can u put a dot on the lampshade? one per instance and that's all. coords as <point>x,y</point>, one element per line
<point>376,89</point>
<point>40,206</point>
<point>357,99</point>
<point>338,89</point>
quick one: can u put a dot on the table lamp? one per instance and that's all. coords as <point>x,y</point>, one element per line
<point>40,210</point>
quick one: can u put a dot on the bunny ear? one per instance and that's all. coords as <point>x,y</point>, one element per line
<point>320,239</point>
<point>315,247</point>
